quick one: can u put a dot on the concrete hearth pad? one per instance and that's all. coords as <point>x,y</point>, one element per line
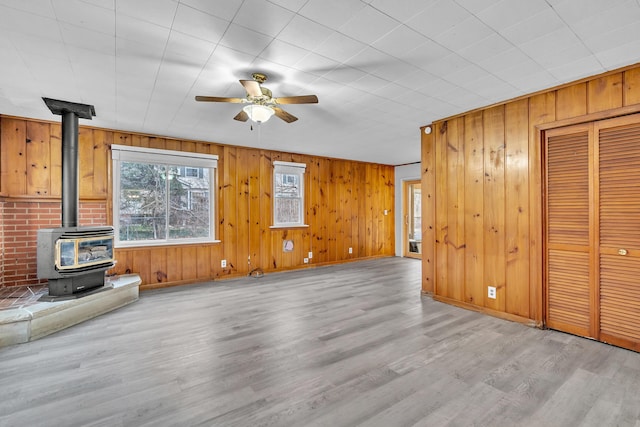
<point>43,318</point>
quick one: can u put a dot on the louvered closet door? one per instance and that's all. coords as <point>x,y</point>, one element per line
<point>568,279</point>
<point>619,218</point>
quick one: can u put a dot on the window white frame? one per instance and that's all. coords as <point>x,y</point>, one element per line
<point>289,168</point>
<point>124,153</point>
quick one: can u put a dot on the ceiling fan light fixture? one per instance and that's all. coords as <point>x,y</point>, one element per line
<point>259,113</point>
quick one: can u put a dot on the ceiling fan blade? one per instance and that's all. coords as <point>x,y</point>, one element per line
<point>304,99</point>
<point>218,99</point>
<point>252,87</point>
<point>284,115</point>
<point>241,116</point>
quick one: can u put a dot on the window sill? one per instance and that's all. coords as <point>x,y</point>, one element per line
<point>279,227</point>
<point>165,244</point>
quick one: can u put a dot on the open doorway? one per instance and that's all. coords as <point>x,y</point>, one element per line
<point>412,224</point>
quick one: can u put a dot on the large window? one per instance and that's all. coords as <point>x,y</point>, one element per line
<point>288,194</point>
<point>162,196</point>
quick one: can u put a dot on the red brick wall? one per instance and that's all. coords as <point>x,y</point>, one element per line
<point>18,234</point>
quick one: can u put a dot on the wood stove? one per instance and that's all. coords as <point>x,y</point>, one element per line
<point>73,259</point>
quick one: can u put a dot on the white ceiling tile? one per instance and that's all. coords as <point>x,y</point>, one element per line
<point>35,7</point>
<point>463,34</point>
<point>533,27</point>
<point>440,17</point>
<point>516,71</point>
<point>199,24</point>
<point>283,53</point>
<point>134,58</point>
<point>399,41</point>
<point>417,79</point>
<point>476,6</point>
<point>226,9</point>
<point>576,11</point>
<point>368,25</point>
<point>618,56</point>
<point>487,47</point>
<point>85,15</point>
<point>536,82</point>
<point>105,4</point>
<point>402,10</point>
<point>558,57</point>
<point>435,88</point>
<point>292,5</point>
<point>316,64</point>
<point>100,63</point>
<point>369,60</point>
<point>331,13</point>
<point>395,70</point>
<point>464,74</point>
<point>142,32</point>
<point>175,78</point>
<point>12,20</point>
<point>228,65</point>
<point>370,83</point>
<point>11,55</point>
<point>87,39</point>
<point>39,46</point>
<point>425,54</point>
<point>552,43</point>
<point>447,65</point>
<point>263,17</point>
<point>304,33</point>
<point>612,35</point>
<point>245,40</point>
<point>339,47</point>
<point>394,91</point>
<point>158,12</point>
<point>505,13</point>
<point>345,75</point>
<point>190,50</point>
<point>504,60</point>
<point>484,84</point>
<point>296,82</point>
<point>582,67</point>
<point>464,99</point>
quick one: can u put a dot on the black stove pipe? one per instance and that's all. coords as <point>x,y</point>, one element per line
<point>70,112</point>
<point>70,175</point>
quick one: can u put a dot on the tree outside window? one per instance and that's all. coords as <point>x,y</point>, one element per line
<point>159,199</point>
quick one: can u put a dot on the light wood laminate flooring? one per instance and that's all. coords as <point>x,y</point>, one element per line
<point>347,345</point>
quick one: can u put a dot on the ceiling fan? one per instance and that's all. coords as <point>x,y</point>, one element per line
<point>261,103</point>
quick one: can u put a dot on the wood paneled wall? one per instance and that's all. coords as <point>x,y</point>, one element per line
<point>345,202</point>
<point>482,181</point>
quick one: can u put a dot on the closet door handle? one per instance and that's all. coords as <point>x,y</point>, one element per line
<point>622,252</point>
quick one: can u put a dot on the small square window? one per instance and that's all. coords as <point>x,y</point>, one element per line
<point>288,194</point>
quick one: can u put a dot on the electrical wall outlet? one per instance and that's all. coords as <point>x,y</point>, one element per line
<point>306,260</point>
<point>350,250</point>
<point>491,292</point>
<point>223,263</point>
<point>310,255</point>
